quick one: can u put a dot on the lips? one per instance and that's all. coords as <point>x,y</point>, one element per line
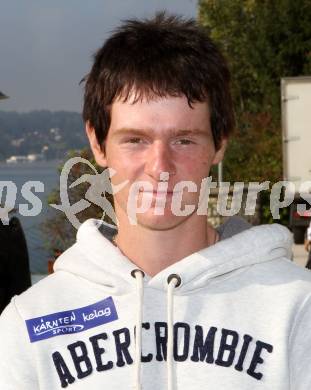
<point>159,194</point>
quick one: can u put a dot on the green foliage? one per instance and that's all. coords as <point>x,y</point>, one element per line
<point>263,41</point>
<point>255,150</point>
<point>266,215</point>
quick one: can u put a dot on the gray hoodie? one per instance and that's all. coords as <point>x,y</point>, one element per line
<point>235,315</point>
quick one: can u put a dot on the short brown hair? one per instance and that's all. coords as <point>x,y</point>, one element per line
<point>163,56</point>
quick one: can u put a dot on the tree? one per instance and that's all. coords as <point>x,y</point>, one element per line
<point>263,41</point>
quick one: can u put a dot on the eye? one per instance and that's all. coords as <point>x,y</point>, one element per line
<point>134,140</point>
<point>184,141</point>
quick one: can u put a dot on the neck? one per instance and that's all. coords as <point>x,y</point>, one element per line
<point>154,250</point>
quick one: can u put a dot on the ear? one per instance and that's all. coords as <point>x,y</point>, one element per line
<point>220,152</point>
<point>98,152</point>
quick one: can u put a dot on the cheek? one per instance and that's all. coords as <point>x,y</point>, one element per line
<point>197,165</point>
<point>125,168</point>
<point>125,174</point>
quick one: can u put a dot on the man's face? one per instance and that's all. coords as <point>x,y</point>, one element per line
<point>148,138</point>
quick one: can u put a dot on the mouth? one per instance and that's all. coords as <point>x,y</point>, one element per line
<point>159,193</point>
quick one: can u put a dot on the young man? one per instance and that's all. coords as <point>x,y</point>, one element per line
<point>171,303</point>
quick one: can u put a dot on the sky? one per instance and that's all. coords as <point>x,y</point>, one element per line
<point>46,46</point>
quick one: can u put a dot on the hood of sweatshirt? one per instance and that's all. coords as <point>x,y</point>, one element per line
<point>96,259</point>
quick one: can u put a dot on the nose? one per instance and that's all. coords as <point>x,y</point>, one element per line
<point>159,159</point>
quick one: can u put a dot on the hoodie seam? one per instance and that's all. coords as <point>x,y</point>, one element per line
<point>236,267</point>
<point>300,310</point>
<point>299,315</point>
<point>102,287</point>
<point>180,292</point>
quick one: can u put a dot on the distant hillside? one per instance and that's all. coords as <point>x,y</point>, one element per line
<point>40,132</point>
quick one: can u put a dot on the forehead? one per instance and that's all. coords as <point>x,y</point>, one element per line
<point>160,113</point>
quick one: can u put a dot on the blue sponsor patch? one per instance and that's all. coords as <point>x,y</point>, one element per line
<point>71,321</point>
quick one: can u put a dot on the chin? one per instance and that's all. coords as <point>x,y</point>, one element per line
<point>160,222</point>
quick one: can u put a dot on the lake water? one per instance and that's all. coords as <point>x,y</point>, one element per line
<point>47,173</point>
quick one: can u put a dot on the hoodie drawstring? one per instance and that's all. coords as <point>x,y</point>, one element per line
<point>173,281</point>
<point>139,276</point>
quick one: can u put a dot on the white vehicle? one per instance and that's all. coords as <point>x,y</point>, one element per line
<point>296,125</point>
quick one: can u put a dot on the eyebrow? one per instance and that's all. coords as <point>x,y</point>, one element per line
<point>172,132</point>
